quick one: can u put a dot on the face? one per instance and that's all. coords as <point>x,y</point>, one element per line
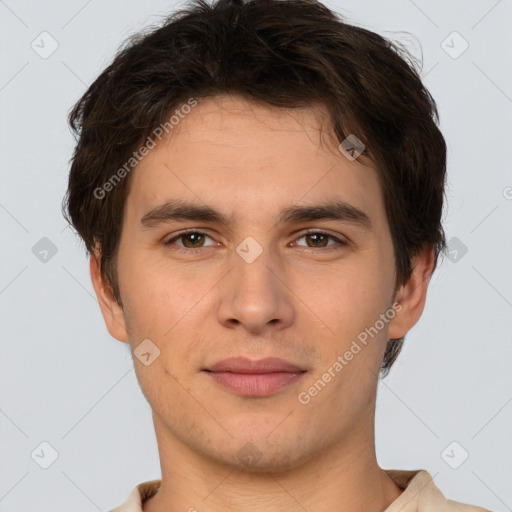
<point>222,255</point>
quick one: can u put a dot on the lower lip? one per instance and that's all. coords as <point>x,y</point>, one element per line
<point>255,384</point>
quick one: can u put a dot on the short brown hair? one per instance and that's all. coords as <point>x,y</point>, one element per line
<point>285,53</point>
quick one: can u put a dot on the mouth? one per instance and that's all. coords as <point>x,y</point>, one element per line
<point>250,378</point>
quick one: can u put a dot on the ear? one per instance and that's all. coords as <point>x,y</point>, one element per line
<point>412,295</point>
<point>112,312</point>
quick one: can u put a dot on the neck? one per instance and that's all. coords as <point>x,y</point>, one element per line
<point>344,477</point>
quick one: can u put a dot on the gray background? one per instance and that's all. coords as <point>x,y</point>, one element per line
<point>66,382</point>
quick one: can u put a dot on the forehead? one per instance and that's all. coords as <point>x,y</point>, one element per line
<point>247,157</point>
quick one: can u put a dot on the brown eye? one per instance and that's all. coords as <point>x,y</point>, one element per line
<point>189,240</point>
<point>319,240</point>
<point>192,240</point>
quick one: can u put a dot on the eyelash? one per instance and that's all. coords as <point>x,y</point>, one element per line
<point>170,242</point>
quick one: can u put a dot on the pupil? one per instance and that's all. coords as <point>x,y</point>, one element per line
<point>191,236</point>
<point>317,236</point>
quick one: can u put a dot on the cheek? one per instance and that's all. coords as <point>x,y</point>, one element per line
<point>144,277</point>
<point>356,294</point>
<point>145,295</point>
<point>164,300</point>
<point>351,303</point>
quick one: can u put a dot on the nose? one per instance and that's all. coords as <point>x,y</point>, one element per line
<point>255,295</point>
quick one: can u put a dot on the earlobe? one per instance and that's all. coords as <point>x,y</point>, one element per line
<point>110,309</point>
<point>412,295</point>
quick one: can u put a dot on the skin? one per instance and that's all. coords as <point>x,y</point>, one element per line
<point>304,299</point>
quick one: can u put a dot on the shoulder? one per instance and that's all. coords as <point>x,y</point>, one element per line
<point>139,494</point>
<point>420,494</point>
<point>456,506</point>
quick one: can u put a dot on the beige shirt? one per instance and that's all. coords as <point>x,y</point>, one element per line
<point>420,495</point>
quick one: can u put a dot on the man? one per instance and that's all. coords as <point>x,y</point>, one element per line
<point>260,187</point>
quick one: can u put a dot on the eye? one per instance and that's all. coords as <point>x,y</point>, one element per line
<point>319,239</point>
<point>196,240</point>
<point>191,240</point>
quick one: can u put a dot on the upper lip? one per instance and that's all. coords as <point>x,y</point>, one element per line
<point>244,365</point>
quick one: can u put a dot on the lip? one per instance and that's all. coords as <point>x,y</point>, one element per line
<point>244,365</point>
<point>258,378</point>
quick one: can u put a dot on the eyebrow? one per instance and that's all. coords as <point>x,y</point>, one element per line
<point>177,209</point>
